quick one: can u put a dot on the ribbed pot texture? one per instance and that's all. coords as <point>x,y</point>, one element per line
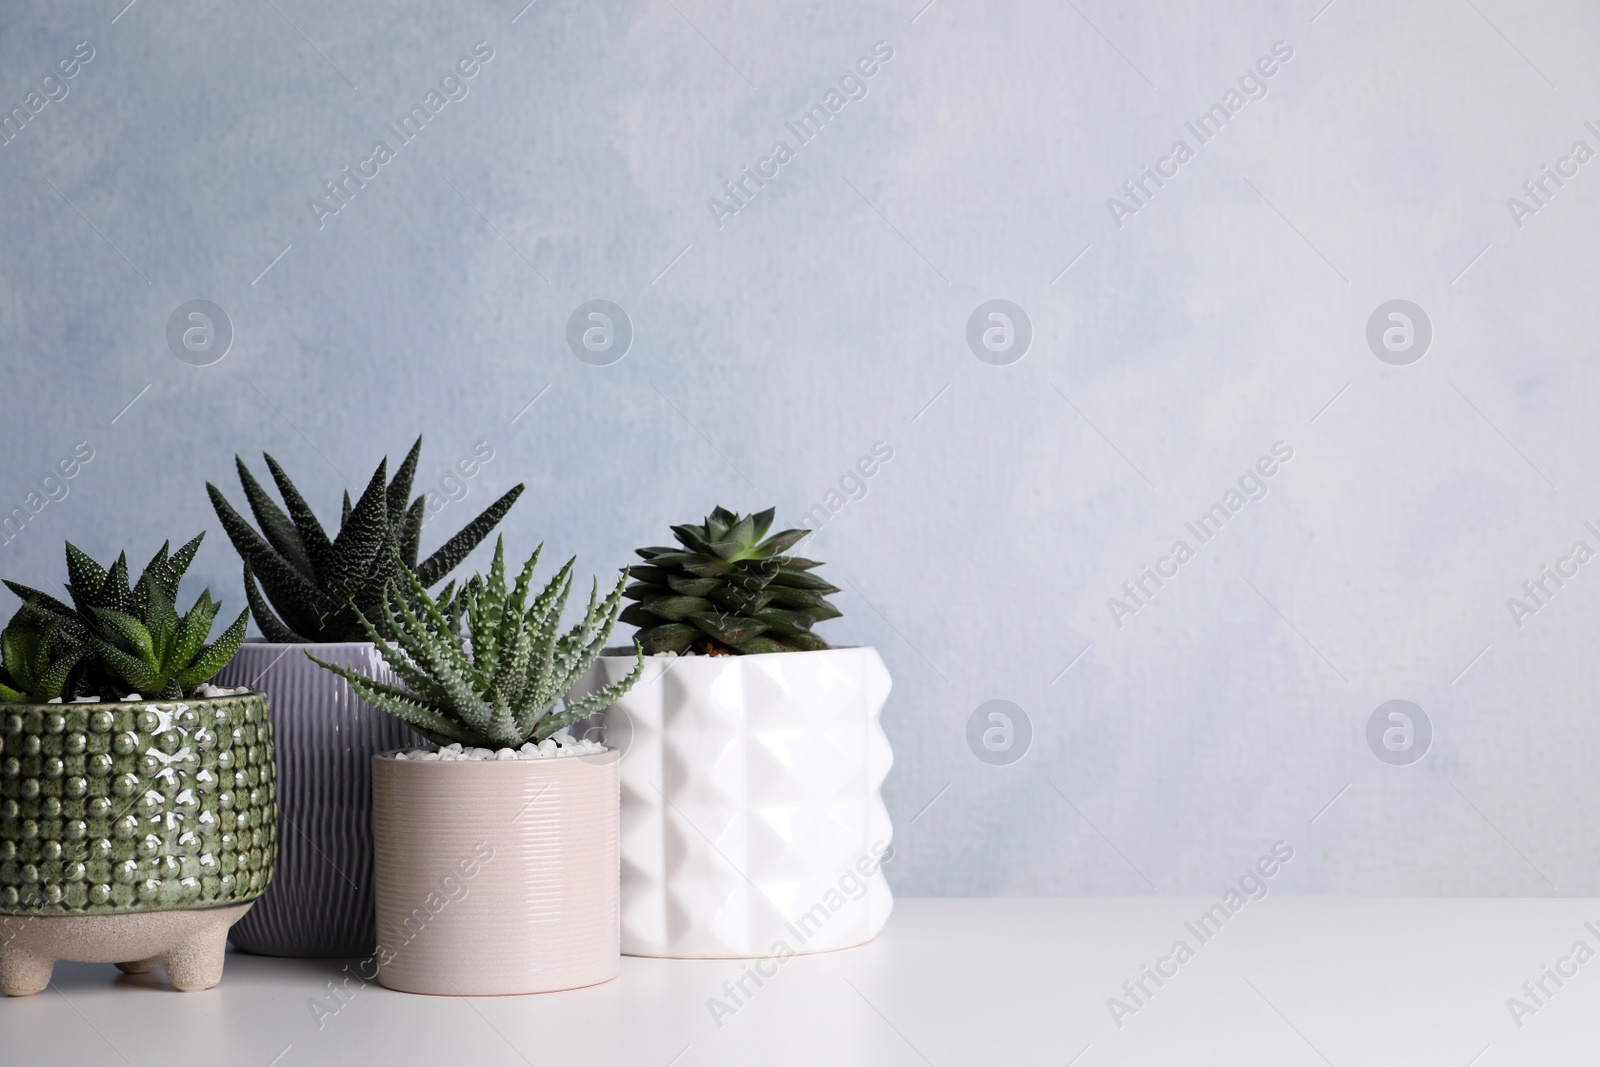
<point>320,901</point>
<point>496,877</point>
<point>752,821</point>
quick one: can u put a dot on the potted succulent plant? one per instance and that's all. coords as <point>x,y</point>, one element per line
<point>312,592</point>
<point>137,813</point>
<point>752,821</point>
<point>496,857</point>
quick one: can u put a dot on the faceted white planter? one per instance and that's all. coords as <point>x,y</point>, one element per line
<point>751,816</point>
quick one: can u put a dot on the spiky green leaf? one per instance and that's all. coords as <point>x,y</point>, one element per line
<point>215,656</point>
<point>85,578</point>
<point>137,674</point>
<point>638,615</point>
<point>675,608</point>
<point>300,602</point>
<point>668,637</point>
<point>762,522</point>
<point>778,543</point>
<point>794,579</point>
<point>760,644</point>
<point>360,540</point>
<point>273,628</point>
<point>193,630</point>
<point>785,624</point>
<point>411,531</point>
<point>313,537</point>
<point>726,627</point>
<point>806,643</point>
<point>130,630</point>
<point>453,551</point>
<point>280,531</point>
<point>692,586</point>
<point>399,492</point>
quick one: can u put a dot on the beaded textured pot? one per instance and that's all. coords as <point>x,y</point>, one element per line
<point>140,806</point>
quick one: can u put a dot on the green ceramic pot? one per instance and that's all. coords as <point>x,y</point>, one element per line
<point>135,807</point>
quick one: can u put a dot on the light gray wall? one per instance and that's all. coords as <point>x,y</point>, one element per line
<point>1229,312</point>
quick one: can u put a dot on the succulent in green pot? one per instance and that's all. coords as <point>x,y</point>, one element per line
<point>138,816</point>
<point>728,588</point>
<point>115,638</point>
<point>309,586</point>
<point>794,752</point>
<point>509,801</point>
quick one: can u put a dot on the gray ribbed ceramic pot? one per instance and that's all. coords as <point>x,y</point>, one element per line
<point>320,902</point>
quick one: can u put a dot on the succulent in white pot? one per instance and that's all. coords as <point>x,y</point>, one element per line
<point>753,754</point>
<point>306,592</point>
<point>496,854</point>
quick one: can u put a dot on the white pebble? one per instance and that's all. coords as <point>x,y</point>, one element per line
<point>56,700</point>
<point>554,747</point>
<point>131,696</point>
<point>84,700</point>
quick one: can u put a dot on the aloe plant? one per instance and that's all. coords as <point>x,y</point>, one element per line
<point>323,589</point>
<point>728,588</point>
<point>485,668</point>
<point>114,637</point>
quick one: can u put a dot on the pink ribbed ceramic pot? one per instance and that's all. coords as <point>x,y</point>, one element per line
<point>496,877</point>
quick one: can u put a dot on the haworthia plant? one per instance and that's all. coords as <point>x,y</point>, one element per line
<point>114,638</point>
<point>726,590</point>
<point>500,681</point>
<point>319,589</point>
<point>37,664</point>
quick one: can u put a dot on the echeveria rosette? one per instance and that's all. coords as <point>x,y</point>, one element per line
<point>728,588</point>
<point>315,588</point>
<point>484,668</point>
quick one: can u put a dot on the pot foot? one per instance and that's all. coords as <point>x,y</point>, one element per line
<point>23,973</point>
<point>197,962</point>
<point>140,966</point>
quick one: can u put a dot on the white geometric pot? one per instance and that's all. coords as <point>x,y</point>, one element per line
<point>752,822</point>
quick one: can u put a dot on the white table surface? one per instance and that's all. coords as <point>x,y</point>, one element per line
<point>1288,981</point>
